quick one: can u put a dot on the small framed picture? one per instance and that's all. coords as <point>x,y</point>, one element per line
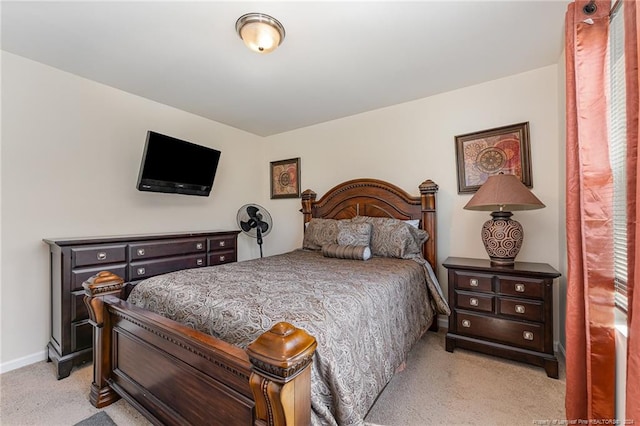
<point>488,152</point>
<point>285,178</point>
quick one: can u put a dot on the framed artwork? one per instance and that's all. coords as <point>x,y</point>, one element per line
<point>285,178</point>
<point>482,154</point>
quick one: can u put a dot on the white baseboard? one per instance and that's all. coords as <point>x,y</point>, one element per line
<point>22,362</point>
<point>443,321</point>
<point>559,349</point>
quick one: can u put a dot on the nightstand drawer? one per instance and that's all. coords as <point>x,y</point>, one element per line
<point>474,301</point>
<point>524,309</point>
<point>515,333</point>
<point>521,287</point>
<point>473,281</point>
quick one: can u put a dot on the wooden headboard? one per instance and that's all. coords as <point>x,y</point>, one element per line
<point>373,197</point>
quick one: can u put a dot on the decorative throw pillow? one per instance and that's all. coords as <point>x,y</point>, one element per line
<point>346,251</point>
<point>319,232</point>
<point>354,234</point>
<point>394,238</point>
<point>413,222</point>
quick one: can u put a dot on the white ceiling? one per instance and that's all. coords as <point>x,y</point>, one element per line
<point>338,58</point>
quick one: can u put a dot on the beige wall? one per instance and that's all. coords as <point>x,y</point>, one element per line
<point>71,150</point>
<point>410,142</point>
<point>414,141</point>
<point>60,127</point>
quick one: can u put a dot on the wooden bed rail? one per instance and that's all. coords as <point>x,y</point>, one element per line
<point>136,351</point>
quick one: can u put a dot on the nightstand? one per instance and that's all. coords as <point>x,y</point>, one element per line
<point>502,311</point>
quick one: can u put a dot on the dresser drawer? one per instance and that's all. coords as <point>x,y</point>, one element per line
<point>149,268</point>
<point>531,310</point>
<point>97,255</point>
<point>222,242</point>
<point>81,335</point>
<point>78,308</point>
<point>474,301</point>
<point>78,276</point>
<point>514,333</point>
<point>521,287</point>
<point>139,251</point>
<point>472,281</point>
<point>222,256</point>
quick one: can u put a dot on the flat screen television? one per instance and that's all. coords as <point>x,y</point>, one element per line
<point>177,166</point>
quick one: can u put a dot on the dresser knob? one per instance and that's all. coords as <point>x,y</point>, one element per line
<point>221,243</point>
<point>520,288</point>
<point>140,271</point>
<point>528,335</point>
<point>466,323</point>
<point>473,301</point>
<point>199,262</point>
<point>102,255</point>
<point>520,309</point>
<point>473,282</point>
<point>140,252</point>
<point>222,258</point>
<point>199,246</point>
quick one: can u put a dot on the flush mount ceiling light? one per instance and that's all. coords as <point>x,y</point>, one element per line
<point>260,33</point>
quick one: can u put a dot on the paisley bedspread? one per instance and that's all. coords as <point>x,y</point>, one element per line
<point>365,316</point>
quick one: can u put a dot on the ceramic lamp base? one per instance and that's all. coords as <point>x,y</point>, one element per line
<point>502,238</point>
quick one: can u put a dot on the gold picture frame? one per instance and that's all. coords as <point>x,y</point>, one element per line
<point>500,150</point>
<point>285,178</point>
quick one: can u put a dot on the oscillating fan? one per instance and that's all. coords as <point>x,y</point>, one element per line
<point>255,221</point>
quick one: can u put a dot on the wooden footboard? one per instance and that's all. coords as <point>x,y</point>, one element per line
<point>175,375</point>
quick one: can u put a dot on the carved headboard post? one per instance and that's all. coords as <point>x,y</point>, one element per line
<point>428,190</point>
<point>308,198</point>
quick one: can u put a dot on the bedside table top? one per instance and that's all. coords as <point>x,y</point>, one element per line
<point>484,265</point>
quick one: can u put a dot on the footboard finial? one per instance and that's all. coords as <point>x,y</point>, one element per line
<point>281,375</point>
<point>95,289</point>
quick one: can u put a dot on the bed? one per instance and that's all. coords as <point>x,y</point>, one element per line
<point>316,341</point>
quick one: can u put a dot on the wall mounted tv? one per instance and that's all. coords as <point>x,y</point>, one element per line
<point>177,166</point>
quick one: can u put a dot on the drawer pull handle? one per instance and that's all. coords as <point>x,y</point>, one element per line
<point>222,258</point>
<point>221,243</point>
<point>140,271</point>
<point>473,301</point>
<point>520,288</point>
<point>140,252</point>
<point>466,323</point>
<point>102,255</point>
<point>473,282</point>
<point>520,309</point>
<point>199,262</point>
<point>199,246</point>
<point>528,335</point>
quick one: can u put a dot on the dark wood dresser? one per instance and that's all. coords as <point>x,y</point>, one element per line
<point>134,258</point>
<point>503,311</point>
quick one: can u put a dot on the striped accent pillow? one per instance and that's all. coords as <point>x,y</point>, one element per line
<point>346,252</point>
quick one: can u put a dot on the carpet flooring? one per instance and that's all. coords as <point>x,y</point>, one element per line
<point>98,419</point>
<point>435,388</point>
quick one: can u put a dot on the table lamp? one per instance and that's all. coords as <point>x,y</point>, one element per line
<point>502,236</point>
